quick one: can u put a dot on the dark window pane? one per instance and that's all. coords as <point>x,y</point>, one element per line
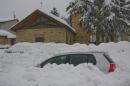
<point>12,41</point>
<point>91,59</point>
<point>39,39</point>
<point>58,60</point>
<point>78,59</point>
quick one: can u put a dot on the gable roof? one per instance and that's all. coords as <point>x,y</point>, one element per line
<point>36,14</point>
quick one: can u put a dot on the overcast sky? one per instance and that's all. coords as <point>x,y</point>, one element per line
<point>23,8</point>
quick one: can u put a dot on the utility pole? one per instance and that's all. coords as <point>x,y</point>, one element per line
<point>41,3</point>
<point>14,15</point>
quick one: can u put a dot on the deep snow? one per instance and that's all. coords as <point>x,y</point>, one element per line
<point>18,67</point>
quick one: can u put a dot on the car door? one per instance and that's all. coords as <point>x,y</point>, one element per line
<point>77,59</point>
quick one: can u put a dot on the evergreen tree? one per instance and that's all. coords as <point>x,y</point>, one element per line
<point>103,16</point>
<point>121,20</point>
<point>54,11</point>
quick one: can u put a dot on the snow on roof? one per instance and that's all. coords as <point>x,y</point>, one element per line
<point>58,19</point>
<point>7,33</point>
<point>6,19</point>
<point>54,17</point>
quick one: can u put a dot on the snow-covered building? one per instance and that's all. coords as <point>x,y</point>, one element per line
<point>41,26</point>
<point>7,23</point>
<point>6,37</point>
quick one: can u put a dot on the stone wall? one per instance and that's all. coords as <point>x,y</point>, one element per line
<point>58,35</point>
<point>82,36</point>
<point>6,41</point>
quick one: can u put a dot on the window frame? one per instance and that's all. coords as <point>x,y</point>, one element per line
<point>39,39</point>
<point>94,59</point>
<point>67,59</point>
<point>86,58</point>
<point>74,57</point>
<point>55,57</point>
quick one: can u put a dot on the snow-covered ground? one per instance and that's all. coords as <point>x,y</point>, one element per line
<point>4,46</point>
<point>18,66</point>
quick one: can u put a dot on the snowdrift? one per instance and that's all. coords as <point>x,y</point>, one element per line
<point>19,69</point>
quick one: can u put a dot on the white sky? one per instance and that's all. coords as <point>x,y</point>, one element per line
<point>23,8</point>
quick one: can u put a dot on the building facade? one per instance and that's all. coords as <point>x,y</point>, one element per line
<point>7,36</point>
<point>42,27</point>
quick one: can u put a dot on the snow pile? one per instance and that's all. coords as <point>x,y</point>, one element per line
<point>120,52</point>
<point>19,69</point>
<point>52,75</point>
<point>4,46</point>
<point>7,34</point>
<point>24,47</point>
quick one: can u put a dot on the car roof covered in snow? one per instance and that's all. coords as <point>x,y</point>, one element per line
<point>80,52</point>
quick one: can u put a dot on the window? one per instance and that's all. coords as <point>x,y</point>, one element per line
<point>58,60</point>
<point>91,59</point>
<point>12,41</point>
<point>39,39</point>
<point>83,58</point>
<point>78,59</point>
